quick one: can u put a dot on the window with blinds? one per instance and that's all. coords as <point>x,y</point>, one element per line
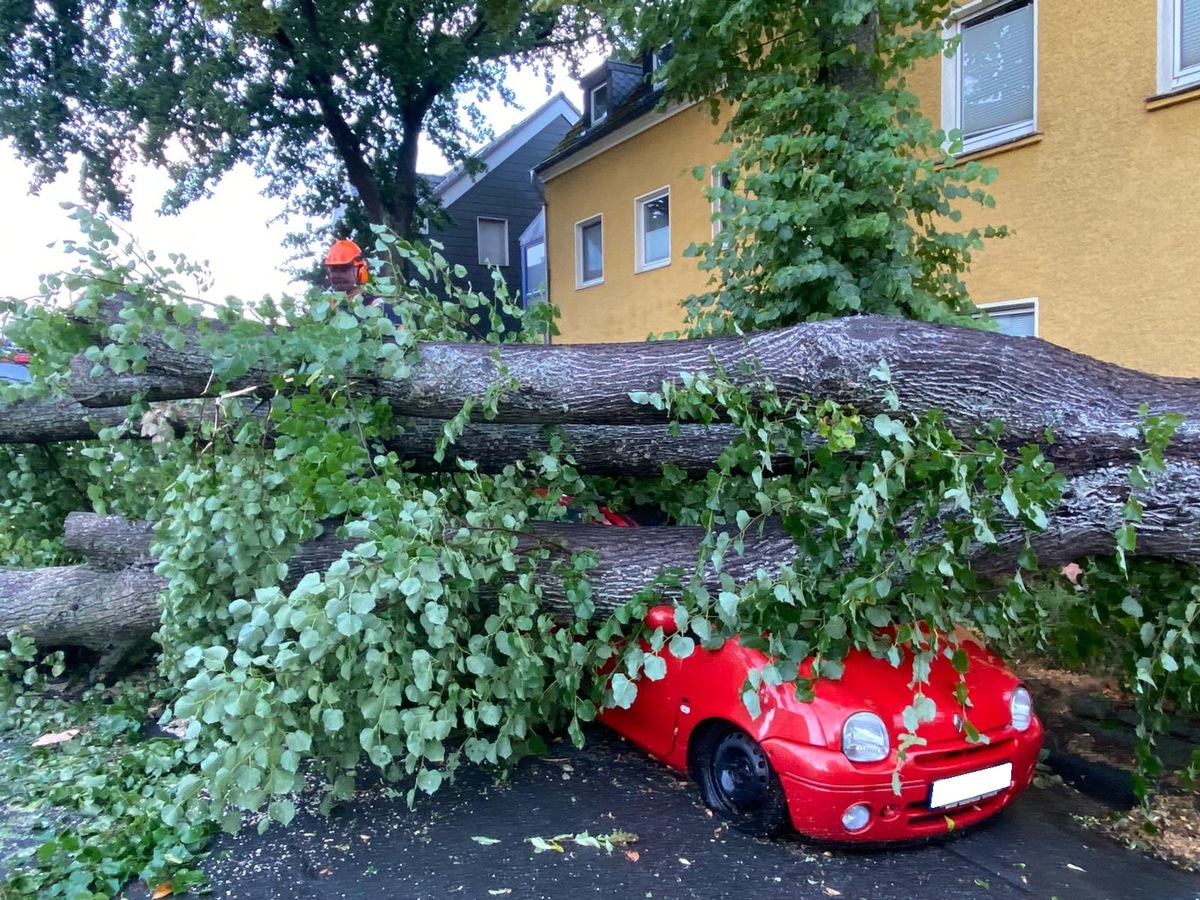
<point>492,238</point>
<point>990,83</point>
<point>1017,317</point>
<point>1178,45</point>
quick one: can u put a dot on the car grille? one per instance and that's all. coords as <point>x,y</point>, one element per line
<point>930,762</point>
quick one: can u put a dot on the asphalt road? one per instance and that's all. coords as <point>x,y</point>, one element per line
<point>473,840</point>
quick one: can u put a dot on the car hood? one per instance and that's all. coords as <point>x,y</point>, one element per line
<point>874,685</point>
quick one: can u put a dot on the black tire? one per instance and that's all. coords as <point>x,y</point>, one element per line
<point>738,783</point>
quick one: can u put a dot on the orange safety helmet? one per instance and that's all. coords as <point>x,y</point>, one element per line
<point>344,253</point>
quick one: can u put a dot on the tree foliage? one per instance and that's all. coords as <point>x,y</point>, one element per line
<point>428,645</point>
<point>327,101</point>
<point>838,196</point>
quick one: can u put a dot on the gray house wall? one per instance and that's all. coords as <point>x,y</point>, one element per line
<point>505,192</point>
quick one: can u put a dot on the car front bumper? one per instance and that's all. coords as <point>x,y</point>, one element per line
<point>821,785</point>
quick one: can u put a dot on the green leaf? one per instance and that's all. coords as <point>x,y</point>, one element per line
<point>429,780</point>
<point>681,646</point>
<point>886,426</point>
<point>1126,538</point>
<point>654,668</point>
<point>751,702</point>
<point>332,719</point>
<point>624,691</point>
<point>389,721</point>
<point>1009,499</point>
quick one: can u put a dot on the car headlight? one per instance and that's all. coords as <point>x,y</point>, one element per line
<point>864,738</point>
<point>1022,709</point>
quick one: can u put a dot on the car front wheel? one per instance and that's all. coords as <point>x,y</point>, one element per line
<point>737,782</point>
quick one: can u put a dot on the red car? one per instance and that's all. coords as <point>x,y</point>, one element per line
<point>14,364</point>
<point>826,767</point>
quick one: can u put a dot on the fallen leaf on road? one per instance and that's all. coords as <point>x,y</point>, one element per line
<point>1075,868</point>
<point>633,855</point>
<point>163,890</point>
<point>686,862</point>
<point>480,839</point>
<point>830,892</point>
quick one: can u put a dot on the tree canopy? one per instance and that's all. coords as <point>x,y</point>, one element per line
<point>838,196</point>
<point>327,101</point>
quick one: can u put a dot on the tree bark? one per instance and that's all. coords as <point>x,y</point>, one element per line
<point>973,376</point>
<point>113,600</point>
<point>639,450</point>
<point>49,421</point>
<point>81,606</point>
<point>1093,408</point>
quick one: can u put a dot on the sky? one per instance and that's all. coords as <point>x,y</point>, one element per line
<point>232,230</point>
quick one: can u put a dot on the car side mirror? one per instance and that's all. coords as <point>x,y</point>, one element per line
<point>661,617</point>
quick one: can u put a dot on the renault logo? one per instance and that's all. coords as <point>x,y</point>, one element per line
<point>958,722</point>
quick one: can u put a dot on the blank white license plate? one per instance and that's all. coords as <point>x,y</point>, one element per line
<point>971,786</point>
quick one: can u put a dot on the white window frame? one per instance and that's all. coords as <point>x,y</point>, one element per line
<point>1014,307</point>
<point>1171,75</point>
<point>952,79</point>
<point>640,264</point>
<point>580,283</point>
<point>658,58</point>
<point>721,210</point>
<point>534,293</point>
<point>592,117</point>
<point>479,220</point>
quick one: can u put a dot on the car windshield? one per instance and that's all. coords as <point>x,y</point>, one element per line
<point>13,371</point>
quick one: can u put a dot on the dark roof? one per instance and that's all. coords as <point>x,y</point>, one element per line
<point>632,96</point>
<point>455,182</point>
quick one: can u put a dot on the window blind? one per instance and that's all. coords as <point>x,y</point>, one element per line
<point>493,242</point>
<point>998,69</point>
<point>1189,33</point>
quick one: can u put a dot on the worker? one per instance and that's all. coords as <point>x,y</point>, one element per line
<point>345,267</point>
<point>347,272</point>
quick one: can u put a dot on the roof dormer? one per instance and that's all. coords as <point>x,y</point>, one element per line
<point>608,88</point>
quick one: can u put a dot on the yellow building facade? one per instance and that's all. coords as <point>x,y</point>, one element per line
<point>630,200</point>
<point>1093,124</point>
<point>1100,183</point>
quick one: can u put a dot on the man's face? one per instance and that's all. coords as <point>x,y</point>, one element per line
<point>342,278</point>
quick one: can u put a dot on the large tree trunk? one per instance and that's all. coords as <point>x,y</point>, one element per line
<point>597,449</point>
<point>974,376</point>
<point>113,600</point>
<point>80,606</point>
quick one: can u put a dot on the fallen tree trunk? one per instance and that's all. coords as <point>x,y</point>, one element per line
<point>1094,409</point>
<point>114,599</point>
<point>597,449</point>
<point>973,376</point>
<point>81,606</point>
<point>50,421</point>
